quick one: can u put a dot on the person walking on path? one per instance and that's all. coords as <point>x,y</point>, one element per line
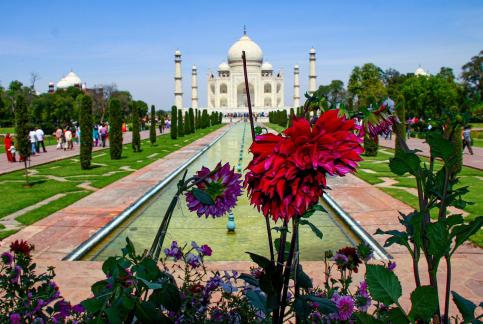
<point>162,125</point>
<point>103,132</point>
<point>77,134</point>
<point>467,139</point>
<point>95,136</point>
<point>68,139</point>
<point>58,136</point>
<point>40,139</point>
<point>8,144</point>
<point>33,141</point>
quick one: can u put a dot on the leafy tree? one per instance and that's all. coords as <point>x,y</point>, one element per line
<point>174,122</point>
<point>334,93</point>
<point>115,129</point>
<point>22,132</point>
<point>136,136</point>
<point>152,128</point>
<point>393,81</point>
<point>180,123</point>
<point>86,124</point>
<point>192,120</point>
<point>446,73</point>
<point>472,76</point>
<point>366,85</point>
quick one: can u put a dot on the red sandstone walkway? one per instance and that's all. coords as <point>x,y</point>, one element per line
<point>58,234</point>
<point>474,161</point>
<point>54,155</point>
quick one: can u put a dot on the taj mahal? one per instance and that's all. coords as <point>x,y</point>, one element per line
<point>226,88</point>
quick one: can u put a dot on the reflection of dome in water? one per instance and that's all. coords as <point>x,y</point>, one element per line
<point>70,80</point>
<point>253,52</point>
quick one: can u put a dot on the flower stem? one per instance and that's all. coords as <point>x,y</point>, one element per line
<point>288,268</point>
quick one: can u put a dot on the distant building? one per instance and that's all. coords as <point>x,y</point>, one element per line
<point>421,72</point>
<point>72,80</point>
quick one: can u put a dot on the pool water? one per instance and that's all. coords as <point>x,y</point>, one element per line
<point>185,226</point>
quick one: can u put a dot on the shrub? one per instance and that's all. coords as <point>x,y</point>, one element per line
<point>187,123</point>
<point>192,120</point>
<point>205,119</point>
<point>180,123</point>
<point>370,146</point>
<point>86,120</point>
<point>174,122</point>
<point>152,127</point>
<point>220,118</point>
<point>136,136</point>
<point>22,132</point>
<point>115,129</point>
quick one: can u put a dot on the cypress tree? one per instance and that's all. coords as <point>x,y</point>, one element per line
<point>22,132</point>
<point>292,115</point>
<point>136,137</point>
<point>370,146</point>
<point>205,120</point>
<point>198,119</point>
<point>220,118</point>
<point>84,104</point>
<point>115,129</point>
<point>187,123</point>
<point>180,123</point>
<point>174,122</point>
<point>192,120</point>
<point>152,128</point>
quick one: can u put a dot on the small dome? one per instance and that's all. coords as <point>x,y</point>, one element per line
<point>178,52</point>
<point>266,66</point>
<point>223,67</point>
<point>296,67</point>
<point>312,51</point>
<point>420,72</point>
<point>193,67</point>
<point>253,52</point>
<point>70,80</point>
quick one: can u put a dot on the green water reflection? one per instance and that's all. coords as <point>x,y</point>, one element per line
<point>185,226</point>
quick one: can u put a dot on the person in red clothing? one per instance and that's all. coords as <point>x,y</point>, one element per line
<point>8,144</point>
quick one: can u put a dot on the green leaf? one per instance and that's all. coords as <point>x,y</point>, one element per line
<point>202,196</point>
<point>383,284</point>
<point>262,261</point>
<point>149,284</point>
<point>114,315</point>
<point>147,313</point>
<point>314,228</point>
<point>168,296</point>
<point>465,306</point>
<point>257,300</point>
<point>251,280</point>
<point>92,305</point>
<point>405,163</point>
<point>424,301</point>
<point>443,148</point>
<point>463,232</point>
<point>438,237</point>
<point>364,318</point>
<point>312,210</point>
<point>397,316</point>
<point>326,306</point>
<point>303,280</point>
<point>397,237</point>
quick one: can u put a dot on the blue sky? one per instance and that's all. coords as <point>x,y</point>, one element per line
<point>132,43</point>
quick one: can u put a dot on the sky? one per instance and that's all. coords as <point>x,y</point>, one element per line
<point>132,43</point>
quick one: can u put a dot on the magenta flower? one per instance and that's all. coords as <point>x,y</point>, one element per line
<point>15,318</point>
<point>381,121</point>
<point>7,258</point>
<point>345,307</point>
<point>217,193</point>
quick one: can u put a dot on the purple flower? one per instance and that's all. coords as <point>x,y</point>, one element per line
<point>193,260</point>
<point>345,307</point>
<point>391,266</point>
<point>223,186</point>
<point>16,274</point>
<point>340,259</point>
<point>7,258</point>
<point>63,309</point>
<point>78,309</point>
<point>206,250</point>
<point>175,251</point>
<point>316,317</point>
<point>15,318</point>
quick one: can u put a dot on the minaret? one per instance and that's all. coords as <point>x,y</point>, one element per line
<point>194,88</point>
<point>178,88</point>
<point>312,76</point>
<point>296,87</point>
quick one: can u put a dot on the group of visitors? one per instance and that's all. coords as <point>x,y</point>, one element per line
<point>65,137</point>
<point>99,135</point>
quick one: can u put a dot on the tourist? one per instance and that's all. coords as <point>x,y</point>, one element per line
<point>103,132</point>
<point>9,148</point>
<point>95,135</point>
<point>40,139</point>
<point>33,141</point>
<point>58,136</point>
<point>162,125</point>
<point>466,137</point>
<point>123,127</point>
<point>68,139</point>
<point>77,134</point>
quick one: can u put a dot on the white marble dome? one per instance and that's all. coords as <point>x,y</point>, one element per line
<point>253,52</point>
<point>420,72</point>
<point>70,80</point>
<point>266,66</point>
<point>223,67</point>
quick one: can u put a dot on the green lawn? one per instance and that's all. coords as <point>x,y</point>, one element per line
<point>276,127</point>
<point>4,130</point>
<point>104,172</point>
<point>468,177</point>
<point>477,142</point>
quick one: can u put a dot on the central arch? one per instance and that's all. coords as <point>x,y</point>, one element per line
<point>241,95</point>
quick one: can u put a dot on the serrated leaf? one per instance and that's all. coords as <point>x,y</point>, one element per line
<point>202,196</point>
<point>465,306</point>
<point>405,163</point>
<point>438,237</point>
<point>383,284</point>
<point>463,232</point>
<point>424,301</point>
<point>396,316</point>
<point>397,237</point>
<point>314,228</point>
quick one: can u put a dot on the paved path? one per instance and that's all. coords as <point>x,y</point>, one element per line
<point>54,155</point>
<point>474,161</point>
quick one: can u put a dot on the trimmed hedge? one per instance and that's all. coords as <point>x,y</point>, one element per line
<point>115,129</point>
<point>174,122</point>
<point>152,127</point>
<point>136,136</point>
<point>86,121</point>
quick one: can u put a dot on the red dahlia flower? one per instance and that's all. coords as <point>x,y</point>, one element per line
<point>381,121</point>
<point>21,247</point>
<point>288,172</point>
